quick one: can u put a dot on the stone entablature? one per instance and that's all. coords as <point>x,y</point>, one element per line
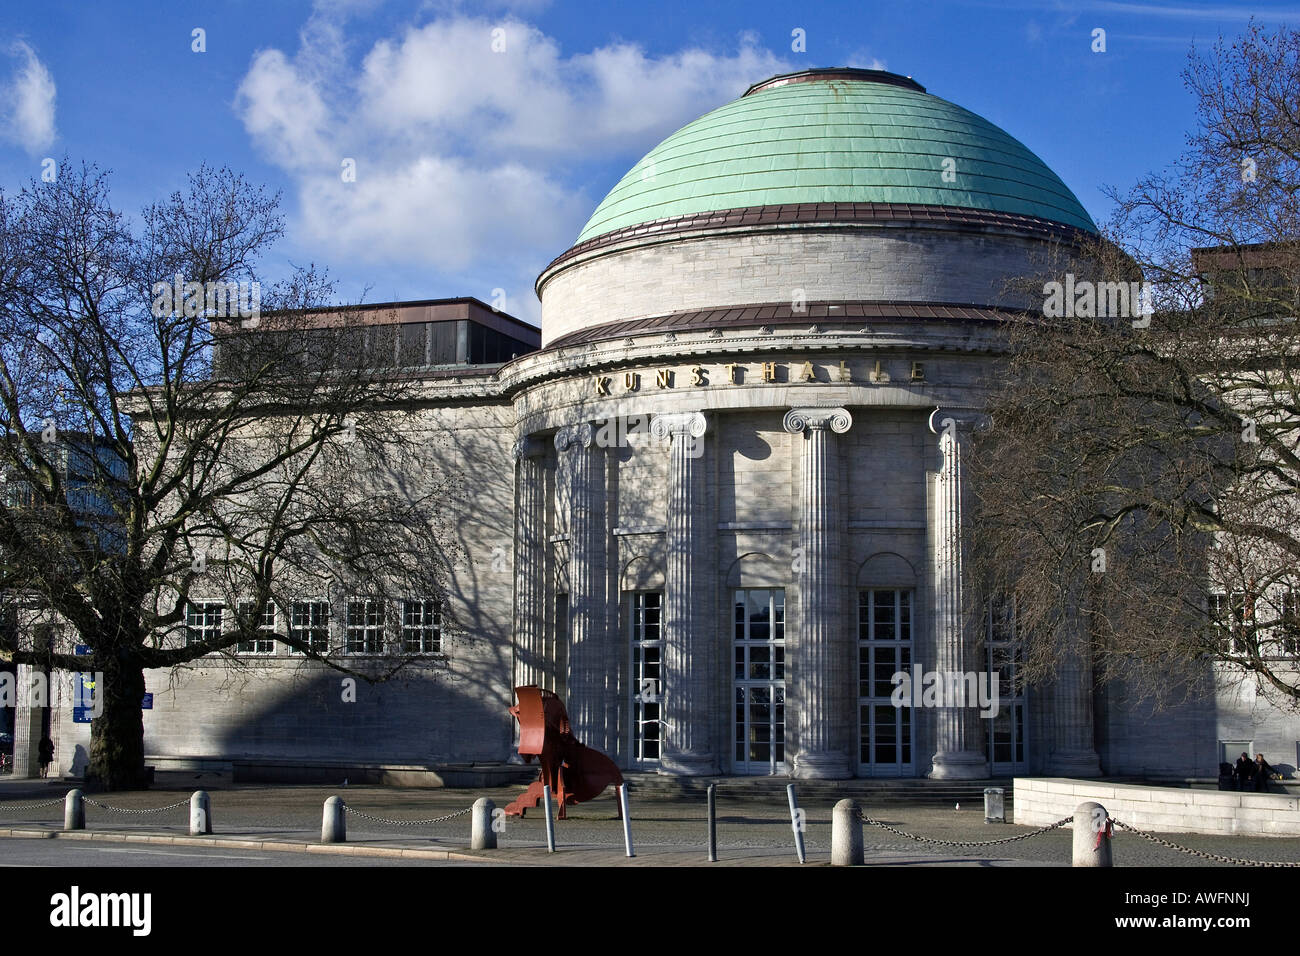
<point>730,385</point>
<point>645,353</point>
<point>651,350</point>
<point>880,371</point>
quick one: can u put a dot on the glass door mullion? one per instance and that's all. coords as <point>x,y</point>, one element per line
<point>771,729</point>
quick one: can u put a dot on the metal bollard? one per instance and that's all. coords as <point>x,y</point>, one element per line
<point>846,834</point>
<point>334,827</point>
<point>74,811</point>
<point>995,806</point>
<point>200,813</point>
<point>550,819</point>
<point>627,820</point>
<point>482,836</point>
<point>796,823</point>
<point>713,823</point>
<point>1092,835</point>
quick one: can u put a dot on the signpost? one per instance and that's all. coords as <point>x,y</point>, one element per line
<point>83,703</point>
<point>83,706</point>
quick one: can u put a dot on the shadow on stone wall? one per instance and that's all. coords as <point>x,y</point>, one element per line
<point>425,717</point>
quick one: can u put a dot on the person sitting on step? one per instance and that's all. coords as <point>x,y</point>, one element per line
<point>1245,772</point>
<point>1263,773</point>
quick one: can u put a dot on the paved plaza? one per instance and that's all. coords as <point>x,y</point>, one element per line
<point>667,831</point>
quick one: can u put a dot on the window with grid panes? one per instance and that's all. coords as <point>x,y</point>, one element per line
<point>202,622</point>
<point>1228,614</point>
<point>264,643</point>
<point>364,628</point>
<point>421,627</point>
<point>309,622</point>
<point>1289,625</point>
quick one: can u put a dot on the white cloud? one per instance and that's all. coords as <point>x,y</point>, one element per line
<point>27,101</point>
<point>445,77</point>
<point>439,210</point>
<point>1243,12</point>
<point>464,156</point>
<point>865,61</point>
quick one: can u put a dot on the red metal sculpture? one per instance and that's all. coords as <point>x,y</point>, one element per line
<point>574,772</point>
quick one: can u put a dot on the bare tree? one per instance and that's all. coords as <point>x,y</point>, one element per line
<point>1140,484</point>
<point>178,434</point>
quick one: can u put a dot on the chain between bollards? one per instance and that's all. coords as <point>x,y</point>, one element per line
<point>1217,858</point>
<point>7,807</point>
<point>74,809</point>
<point>847,847</point>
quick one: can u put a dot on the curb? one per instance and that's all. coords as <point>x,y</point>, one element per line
<point>346,849</point>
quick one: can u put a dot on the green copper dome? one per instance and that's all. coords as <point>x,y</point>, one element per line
<point>837,136</point>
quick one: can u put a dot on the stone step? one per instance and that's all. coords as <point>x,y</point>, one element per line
<point>768,789</point>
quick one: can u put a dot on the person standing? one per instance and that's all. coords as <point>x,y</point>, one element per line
<point>45,751</point>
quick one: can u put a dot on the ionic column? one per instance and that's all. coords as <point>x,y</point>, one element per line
<point>587,667</point>
<point>689,659</point>
<point>960,736</point>
<point>1073,753</point>
<point>530,562</point>
<point>818,579</point>
<point>28,721</point>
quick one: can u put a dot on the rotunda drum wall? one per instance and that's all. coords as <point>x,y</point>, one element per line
<point>878,265</point>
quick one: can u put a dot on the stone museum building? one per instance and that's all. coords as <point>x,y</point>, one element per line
<point>716,504</point>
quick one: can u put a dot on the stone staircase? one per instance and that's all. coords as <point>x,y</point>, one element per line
<point>911,791</point>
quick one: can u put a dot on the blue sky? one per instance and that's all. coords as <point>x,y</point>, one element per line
<point>475,167</point>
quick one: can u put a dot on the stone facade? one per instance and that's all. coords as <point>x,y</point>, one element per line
<point>694,491</point>
<point>719,536</point>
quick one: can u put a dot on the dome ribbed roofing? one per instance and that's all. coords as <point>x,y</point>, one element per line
<point>836,136</point>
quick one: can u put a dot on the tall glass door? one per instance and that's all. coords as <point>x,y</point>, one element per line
<point>1007,743</point>
<point>759,648</point>
<point>646,619</point>
<point>884,650</point>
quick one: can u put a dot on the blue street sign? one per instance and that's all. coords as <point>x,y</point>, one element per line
<point>83,709</point>
<point>147,703</point>
<point>81,650</point>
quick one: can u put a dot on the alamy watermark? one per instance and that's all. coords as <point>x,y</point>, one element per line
<point>218,300</point>
<point>947,689</point>
<point>75,909</point>
<point>1084,299</point>
<point>621,431</point>
<point>87,691</point>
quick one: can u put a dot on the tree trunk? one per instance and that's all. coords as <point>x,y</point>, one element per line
<point>117,735</point>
